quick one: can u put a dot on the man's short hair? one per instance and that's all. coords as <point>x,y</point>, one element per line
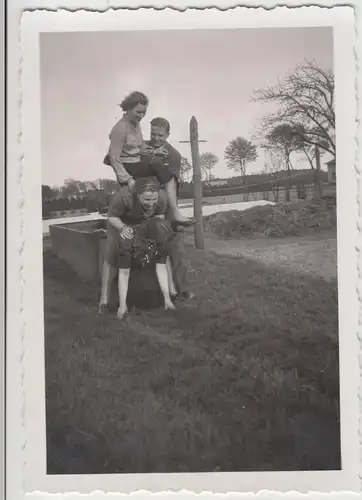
<point>147,184</point>
<point>161,122</point>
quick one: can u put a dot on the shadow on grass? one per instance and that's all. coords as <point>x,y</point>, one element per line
<point>245,377</point>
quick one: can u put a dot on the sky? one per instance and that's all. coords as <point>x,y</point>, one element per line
<point>210,74</point>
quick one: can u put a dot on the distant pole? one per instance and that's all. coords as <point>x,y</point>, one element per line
<point>197,179</point>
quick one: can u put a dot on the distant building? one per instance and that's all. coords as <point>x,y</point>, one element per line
<point>89,186</point>
<point>331,166</point>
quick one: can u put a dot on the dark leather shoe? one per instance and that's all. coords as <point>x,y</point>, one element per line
<point>184,296</point>
<point>186,223</point>
<point>102,309</point>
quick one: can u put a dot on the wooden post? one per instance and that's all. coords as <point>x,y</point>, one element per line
<point>194,140</point>
<point>197,180</point>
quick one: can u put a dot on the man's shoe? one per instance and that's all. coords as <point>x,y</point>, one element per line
<point>102,309</point>
<point>186,295</point>
<point>185,222</point>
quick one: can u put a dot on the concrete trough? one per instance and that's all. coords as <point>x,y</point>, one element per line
<point>82,245</point>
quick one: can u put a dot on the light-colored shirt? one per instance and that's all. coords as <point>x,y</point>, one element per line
<point>126,142</point>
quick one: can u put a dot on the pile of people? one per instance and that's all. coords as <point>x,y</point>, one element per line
<point>144,222</point>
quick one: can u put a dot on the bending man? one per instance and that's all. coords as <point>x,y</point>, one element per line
<point>136,219</point>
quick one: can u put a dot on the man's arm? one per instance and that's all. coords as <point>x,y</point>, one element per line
<point>116,210</point>
<point>175,161</point>
<point>116,223</point>
<point>162,205</point>
<point>117,138</point>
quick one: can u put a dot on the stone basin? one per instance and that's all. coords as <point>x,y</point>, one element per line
<point>82,246</point>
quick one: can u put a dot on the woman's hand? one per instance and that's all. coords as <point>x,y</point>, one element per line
<point>131,184</point>
<point>126,233</point>
<point>146,149</point>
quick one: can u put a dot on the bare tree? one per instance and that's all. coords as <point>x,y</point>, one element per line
<point>313,154</point>
<point>239,153</point>
<point>207,163</point>
<point>284,139</point>
<point>73,187</point>
<point>185,171</point>
<point>273,164</point>
<point>109,186</point>
<point>306,99</point>
<point>70,188</point>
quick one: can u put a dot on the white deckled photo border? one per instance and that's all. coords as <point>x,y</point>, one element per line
<point>32,23</point>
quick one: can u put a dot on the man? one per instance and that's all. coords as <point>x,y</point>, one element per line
<point>160,131</point>
<point>138,232</point>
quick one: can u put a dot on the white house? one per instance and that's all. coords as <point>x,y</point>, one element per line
<point>331,166</point>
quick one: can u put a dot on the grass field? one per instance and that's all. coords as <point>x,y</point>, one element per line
<point>315,254</point>
<point>245,377</point>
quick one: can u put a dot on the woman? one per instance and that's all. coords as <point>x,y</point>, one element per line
<point>138,231</point>
<point>131,158</point>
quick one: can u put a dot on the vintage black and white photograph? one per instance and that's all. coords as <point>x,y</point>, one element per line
<point>189,250</point>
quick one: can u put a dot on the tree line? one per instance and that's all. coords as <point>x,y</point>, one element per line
<point>95,197</point>
<point>74,194</point>
<point>258,182</point>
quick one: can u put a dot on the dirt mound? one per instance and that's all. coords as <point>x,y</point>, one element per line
<point>282,219</point>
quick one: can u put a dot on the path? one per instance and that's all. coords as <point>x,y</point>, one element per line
<point>186,209</point>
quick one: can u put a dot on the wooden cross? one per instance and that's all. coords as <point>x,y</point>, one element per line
<point>194,142</point>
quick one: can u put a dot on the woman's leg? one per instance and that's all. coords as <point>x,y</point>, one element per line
<point>171,283</point>
<point>108,275</point>
<point>160,231</point>
<point>123,280</point>
<point>162,276</point>
<point>167,178</point>
<point>171,190</point>
<point>109,270</point>
<point>124,270</point>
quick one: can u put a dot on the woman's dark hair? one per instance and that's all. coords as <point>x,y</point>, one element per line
<point>133,99</point>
